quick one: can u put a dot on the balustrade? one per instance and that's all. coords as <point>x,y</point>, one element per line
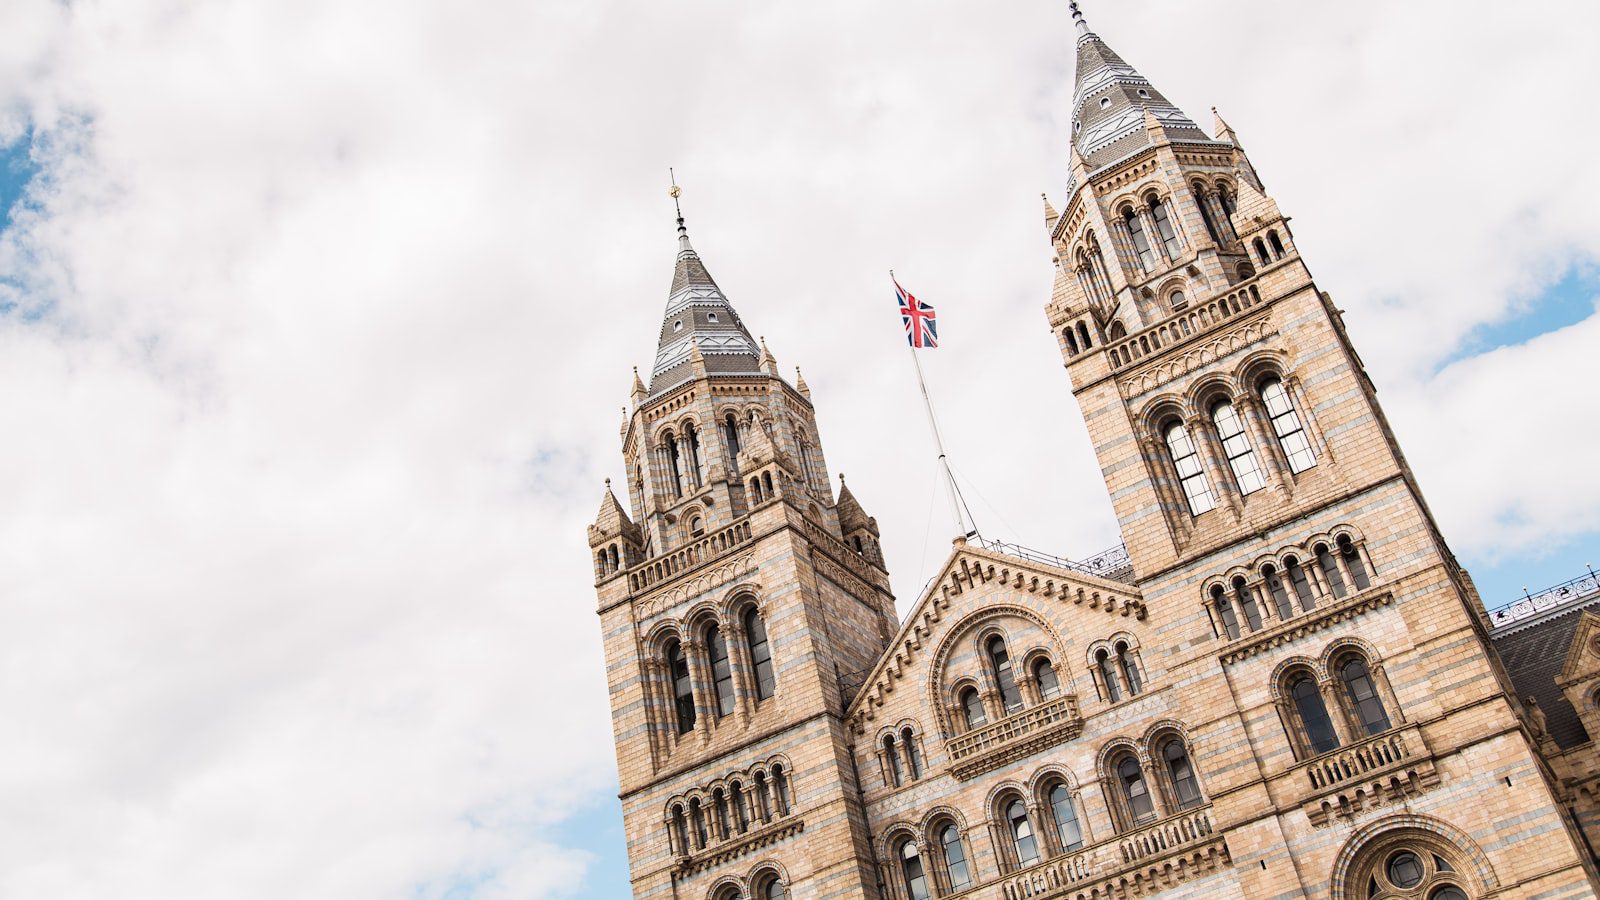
<point>1337,767</point>
<point>1184,325</point>
<point>690,556</point>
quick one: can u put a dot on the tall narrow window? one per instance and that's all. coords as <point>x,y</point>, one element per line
<point>1045,674</point>
<point>680,831</point>
<point>721,671</point>
<point>1083,336</point>
<point>1108,676</point>
<point>1247,602</point>
<point>1236,445</point>
<point>1277,244</point>
<point>1163,217</point>
<point>1141,241</point>
<point>1364,695</point>
<point>730,439</point>
<point>1186,460</point>
<point>674,467</point>
<point>740,815</point>
<point>682,688</point>
<point>697,471</point>
<point>1202,201</point>
<point>911,870</point>
<point>719,802</point>
<point>1286,425</point>
<point>1066,818</point>
<point>1185,787</point>
<point>891,760</point>
<point>1022,837</point>
<point>1330,570</point>
<point>1004,679</point>
<point>1352,561</point>
<point>1130,670</point>
<point>908,740</point>
<point>1135,793</point>
<point>1280,594</point>
<point>763,807</point>
<point>1230,621</point>
<point>1226,199</point>
<point>1261,251</point>
<point>1302,587</point>
<point>697,817</point>
<point>1313,713</point>
<point>774,890</point>
<point>755,631</point>
<point>972,709</point>
<point>955,858</point>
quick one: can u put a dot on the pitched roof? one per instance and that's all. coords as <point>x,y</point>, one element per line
<point>699,316</point>
<point>1534,655</point>
<point>1109,102</point>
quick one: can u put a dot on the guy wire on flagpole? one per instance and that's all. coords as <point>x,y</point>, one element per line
<point>958,503</point>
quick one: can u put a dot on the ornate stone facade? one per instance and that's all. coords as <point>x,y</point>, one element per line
<point>1290,690</point>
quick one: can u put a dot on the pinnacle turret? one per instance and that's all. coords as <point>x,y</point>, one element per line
<point>700,319</point>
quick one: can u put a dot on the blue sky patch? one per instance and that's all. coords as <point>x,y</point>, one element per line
<point>17,168</point>
<point>1566,302</point>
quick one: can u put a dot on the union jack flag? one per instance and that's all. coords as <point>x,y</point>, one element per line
<point>921,328</point>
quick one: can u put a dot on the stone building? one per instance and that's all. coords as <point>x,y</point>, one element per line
<point>1286,686</point>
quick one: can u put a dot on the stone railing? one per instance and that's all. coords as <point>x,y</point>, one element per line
<point>1387,768</point>
<point>690,556</point>
<point>1184,325</point>
<point>738,845</point>
<point>1145,857</point>
<point>842,553</point>
<point>1013,737</point>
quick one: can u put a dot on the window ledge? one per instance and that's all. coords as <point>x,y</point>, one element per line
<point>1166,853</point>
<point>737,846</point>
<point>1301,625</point>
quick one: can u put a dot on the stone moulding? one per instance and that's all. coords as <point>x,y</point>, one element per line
<point>1391,767</point>
<point>715,578</point>
<point>715,856</point>
<point>1013,738</point>
<point>1171,852</point>
<point>1302,625</point>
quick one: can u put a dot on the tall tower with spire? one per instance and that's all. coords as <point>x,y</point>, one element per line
<point>741,602</point>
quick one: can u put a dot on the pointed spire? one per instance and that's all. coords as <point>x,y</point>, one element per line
<point>699,320</point>
<point>800,384</point>
<point>612,520</point>
<point>638,391</point>
<point>1223,130</point>
<point>1050,215</point>
<point>769,363</point>
<point>1110,100</point>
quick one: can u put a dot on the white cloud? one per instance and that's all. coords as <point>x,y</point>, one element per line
<point>327,310</point>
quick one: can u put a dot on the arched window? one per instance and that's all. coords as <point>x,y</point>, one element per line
<point>682,688</point>
<point>674,467</point>
<point>972,709</point>
<point>892,760</point>
<point>1186,460</point>
<point>1230,621</point>
<point>911,870</point>
<point>1411,868</point>
<point>908,739</point>
<point>721,671</point>
<point>763,807</point>
<point>719,803</point>
<point>1118,332</point>
<point>1072,341</point>
<point>1286,425</point>
<point>766,485</point>
<point>955,858</point>
<point>1236,446</point>
<point>1065,816</point>
<point>730,440</point>
<point>780,791</point>
<point>1135,793</point>
<point>1141,241</point>
<point>1083,336</point>
<point>1226,199</point>
<point>1162,215</point>
<point>680,831</point>
<point>1185,787</point>
<point>1261,251</point>
<point>1130,669</point>
<point>1330,570</point>
<point>741,816</point>
<point>1177,300</point>
<point>1246,271</point>
<point>1108,676</point>
<point>1277,244</point>
<point>1302,587</point>
<point>1200,199</point>
<point>1279,593</point>
<point>697,818</point>
<point>1315,724</point>
<point>1247,602</point>
<point>768,887</point>
<point>1004,679</point>
<point>755,633</point>
<point>1363,694</point>
<point>1352,561</point>
<point>1023,841</point>
<point>1045,675</point>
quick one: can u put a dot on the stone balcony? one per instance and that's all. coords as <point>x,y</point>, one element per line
<point>1386,768</point>
<point>1163,854</point>
<point>1013,737</point>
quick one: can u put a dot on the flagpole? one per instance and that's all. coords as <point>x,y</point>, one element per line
<point>957,502</point>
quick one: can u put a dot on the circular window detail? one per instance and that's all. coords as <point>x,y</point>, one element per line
<point>1105,102</point>
<point>1405,870</point>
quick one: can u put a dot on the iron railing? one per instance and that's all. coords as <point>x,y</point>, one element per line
<point>1112,564</point>
<point>1580,588</point>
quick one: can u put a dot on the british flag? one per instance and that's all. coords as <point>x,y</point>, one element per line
<point>921,328</point>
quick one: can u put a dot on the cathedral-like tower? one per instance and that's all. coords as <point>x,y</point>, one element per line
<point>739,601</point>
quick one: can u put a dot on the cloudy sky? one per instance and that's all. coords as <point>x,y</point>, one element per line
<point>316,318</point>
